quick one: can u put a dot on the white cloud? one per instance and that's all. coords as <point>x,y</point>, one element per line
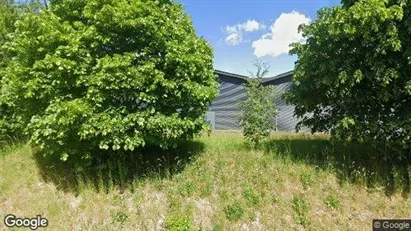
<point>236,32</point>
<point>251,25</point>
<point>232,29</point>
<point>283,32</point>
<point>234,39</point>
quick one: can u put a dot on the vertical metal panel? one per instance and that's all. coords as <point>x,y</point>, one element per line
<point>210,118</point>
<point>225,106</point>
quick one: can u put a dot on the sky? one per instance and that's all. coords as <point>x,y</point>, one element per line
<point>242,30</point>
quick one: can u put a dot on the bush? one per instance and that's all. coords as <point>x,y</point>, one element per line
<point>258,110</point>
<point>96,75</point>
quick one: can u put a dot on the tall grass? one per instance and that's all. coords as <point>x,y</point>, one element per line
<point>353,162</point>
<point>295,182</point>
<point>121,172</point>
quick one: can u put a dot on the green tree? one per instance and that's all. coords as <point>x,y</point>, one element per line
<point>108,74</point>
<point>10,12</point>
<point>8,16</point>
<point>258,110</point>
<point>353,74</point>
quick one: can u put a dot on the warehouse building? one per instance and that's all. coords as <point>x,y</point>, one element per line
<point>223,112</point>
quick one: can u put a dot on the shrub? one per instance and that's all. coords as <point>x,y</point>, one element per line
<point>95,75</point>
<point>258,109</point>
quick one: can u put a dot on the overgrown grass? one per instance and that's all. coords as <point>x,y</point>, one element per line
<point>297,181</point>
<point>353,162</point>
<point>121,172</point>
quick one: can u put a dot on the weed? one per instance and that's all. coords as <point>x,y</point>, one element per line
<point>205,183</point>
<point>137,197</point>
<point>217,228</point>
<point>206,189</point>
<point>332,202</point>
<point>224,196</point>
<point>300,207</point>
<point>175,204</point>
<point>117,200</point>
<point>187,188</point>
<point>275,199</point>
<point>307,180</point>
<point>119,217</point>
<point>251,196</point>
<point>234,212</point>
<point>178,224</point>
<point>252,216</point>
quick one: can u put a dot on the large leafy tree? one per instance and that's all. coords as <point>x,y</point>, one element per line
<point>8,16</point>
<point>353,75</point>
<point>10,12</point>
<point>108,74</point>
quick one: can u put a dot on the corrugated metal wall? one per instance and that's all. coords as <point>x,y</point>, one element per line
<point>225,105</point>
<point>223,113</point>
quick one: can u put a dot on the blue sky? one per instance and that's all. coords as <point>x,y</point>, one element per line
<point>242,30</point>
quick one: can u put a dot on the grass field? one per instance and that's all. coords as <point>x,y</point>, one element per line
<point>296,182</point>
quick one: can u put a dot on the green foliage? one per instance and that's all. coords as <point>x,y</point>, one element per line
<point>217,228</point>
<point>300,207</point>
<point>187,188</point>
<point>307,180</point>
<point>352,77</point>
<point>258,109</point>
<point>119,217</point>
<point>348,3</point>
<point>251,196</point>
<point>8,16</point>
<point>178,224</point>
<point>234,212</point>
<point>10,12</point>
<point>332,202</point>
<point>88,76</point>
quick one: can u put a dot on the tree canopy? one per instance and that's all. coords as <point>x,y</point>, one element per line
<point>353,74</point>
<point>8,16</point>
<point>107,74</point>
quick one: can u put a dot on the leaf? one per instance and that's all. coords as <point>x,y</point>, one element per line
<point>64,157</point>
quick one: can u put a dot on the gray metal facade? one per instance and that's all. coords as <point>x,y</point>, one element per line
<point>223,112</point>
